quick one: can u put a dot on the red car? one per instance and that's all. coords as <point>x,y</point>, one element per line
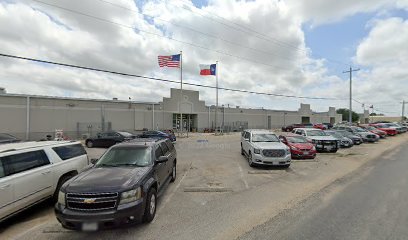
<point>374,130</point>
<point>389,131</point>
<point>320,126</point>
<point>300,147</point>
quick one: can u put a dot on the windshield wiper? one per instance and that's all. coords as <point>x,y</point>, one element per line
<point>130,164</point>
<point>105,165</point>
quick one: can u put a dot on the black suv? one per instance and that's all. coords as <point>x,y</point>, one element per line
<point>120,188</point>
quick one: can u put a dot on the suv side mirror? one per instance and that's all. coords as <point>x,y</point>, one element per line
<point>162,159</point>
<point>94,160</point>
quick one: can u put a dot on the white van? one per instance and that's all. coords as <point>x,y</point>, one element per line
<point>31,172</point>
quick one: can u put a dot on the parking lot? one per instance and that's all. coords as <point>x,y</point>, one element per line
<point>216,194</point>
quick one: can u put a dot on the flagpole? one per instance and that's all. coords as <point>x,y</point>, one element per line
<point>216,95</point>
<point>181,91</point>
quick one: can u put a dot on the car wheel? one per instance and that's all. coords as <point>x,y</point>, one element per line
<point>250,160</point>
<point>151,204</point>
<point>60,183</point>
<point>173,173</point>
<point>89,144</point>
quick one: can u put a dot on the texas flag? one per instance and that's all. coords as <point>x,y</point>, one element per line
<point>208,69</point>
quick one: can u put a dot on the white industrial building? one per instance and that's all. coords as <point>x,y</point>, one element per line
<point>33,117</point>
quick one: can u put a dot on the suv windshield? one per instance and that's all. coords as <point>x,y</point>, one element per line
<point>264,137</point>
<point>359,130</point>
<point>316,133</point>
<point>125,156</point>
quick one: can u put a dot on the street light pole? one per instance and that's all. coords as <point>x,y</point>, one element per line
<point>351,94</point>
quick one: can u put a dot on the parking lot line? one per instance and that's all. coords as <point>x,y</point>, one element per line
<point>241,173</point>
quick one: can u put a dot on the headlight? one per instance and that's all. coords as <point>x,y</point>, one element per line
<point>257,151</point>
<point>287,151</point>
<point>61,198</point>
<point>130,196</point>
<point>314,148</point>
<point>294,148</point>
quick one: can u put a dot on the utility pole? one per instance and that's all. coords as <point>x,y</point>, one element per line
<point>403,110</point>
<point>351,92</point>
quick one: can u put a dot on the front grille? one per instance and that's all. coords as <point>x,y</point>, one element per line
<point>92,201</point>
<point>274,153</point>
<point>370,136</point>
<point>329,142</point>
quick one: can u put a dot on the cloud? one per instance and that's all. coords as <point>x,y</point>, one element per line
<point>259,44</point>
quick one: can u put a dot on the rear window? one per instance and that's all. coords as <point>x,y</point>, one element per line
<point>69,151</point>
<point>23,161</point>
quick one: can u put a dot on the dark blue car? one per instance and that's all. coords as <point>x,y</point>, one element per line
<point>158,134</point>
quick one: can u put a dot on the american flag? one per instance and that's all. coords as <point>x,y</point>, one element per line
<point>169,61</point>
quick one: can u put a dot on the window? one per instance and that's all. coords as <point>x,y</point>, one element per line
<point>24,161</point>
<point>158,152</point>
<point>2,174</point>
<point>170,145</point>
<point>70,151</point>
<point>125,156</point>
<point>164,147</point>
<point>247,135</point>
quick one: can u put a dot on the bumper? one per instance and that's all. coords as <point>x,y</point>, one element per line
<point>326,148</point>
<point>268,161</point>
<point>371,140</point>
<point>78,220</point>
<point>303,155</point>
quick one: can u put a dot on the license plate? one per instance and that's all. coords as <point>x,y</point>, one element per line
<point>305,153</point>
<point>329,148</point>
<point>90,226</point>
<point>319,146</point>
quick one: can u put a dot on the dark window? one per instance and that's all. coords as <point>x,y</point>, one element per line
<point>70,151</point>
<point>24,161</point>
<point>170,145</point>
<point>164,147</point>
<point>2,174</point>
<point>158,152</point>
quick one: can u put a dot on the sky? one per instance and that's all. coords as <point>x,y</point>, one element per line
<point>288,47</point>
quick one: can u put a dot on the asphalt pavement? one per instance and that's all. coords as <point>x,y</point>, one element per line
<point>370,204</point>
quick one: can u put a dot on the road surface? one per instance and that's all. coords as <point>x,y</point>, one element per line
<point>372,204</point>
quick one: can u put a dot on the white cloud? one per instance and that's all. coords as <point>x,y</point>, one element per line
<point>31,29</point>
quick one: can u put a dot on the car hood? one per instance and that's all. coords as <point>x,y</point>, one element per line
<point>302,145</point>
<point>102,179</point>
<point>269,145</point>
<point>365,133</point>
<point>322,138</point>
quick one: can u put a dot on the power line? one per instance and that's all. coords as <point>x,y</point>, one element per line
<point>247,30</point>
<point>159,35</point>
<point>374,108</point>
<point>199,32</point>
<point>162,79</point>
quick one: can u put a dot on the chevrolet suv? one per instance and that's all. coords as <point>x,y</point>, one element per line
<point>323,141</point>
<point>120,188</point>
<point>263,147</point>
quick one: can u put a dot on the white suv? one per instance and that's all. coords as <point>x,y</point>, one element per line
<point>34,171</point>
<point>263,147</point>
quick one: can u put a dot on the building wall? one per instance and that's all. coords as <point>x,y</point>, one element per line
<point>82,117</point>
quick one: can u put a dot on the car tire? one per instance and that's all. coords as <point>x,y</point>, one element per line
<point>250,160</point>
<point>61,182</point>
<point>173,173</point>
<point>89,144</point>
<point>242,151</point>
<point>151,203</point>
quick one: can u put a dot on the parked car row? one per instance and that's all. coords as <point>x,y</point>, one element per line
<point>321,126</point>
<point>108,139</point>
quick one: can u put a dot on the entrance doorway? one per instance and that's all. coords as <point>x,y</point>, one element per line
<point>189,122</point>
<point>305,120</point>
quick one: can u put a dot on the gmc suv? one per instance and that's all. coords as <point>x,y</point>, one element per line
<point>31,172</point>
<point>263,147</point>
<point>120,188</point>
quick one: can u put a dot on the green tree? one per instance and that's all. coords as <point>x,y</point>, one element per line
<point>345,114</point>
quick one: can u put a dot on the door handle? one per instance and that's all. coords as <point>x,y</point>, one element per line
<point>45,173</point>
<point>5,186</point>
